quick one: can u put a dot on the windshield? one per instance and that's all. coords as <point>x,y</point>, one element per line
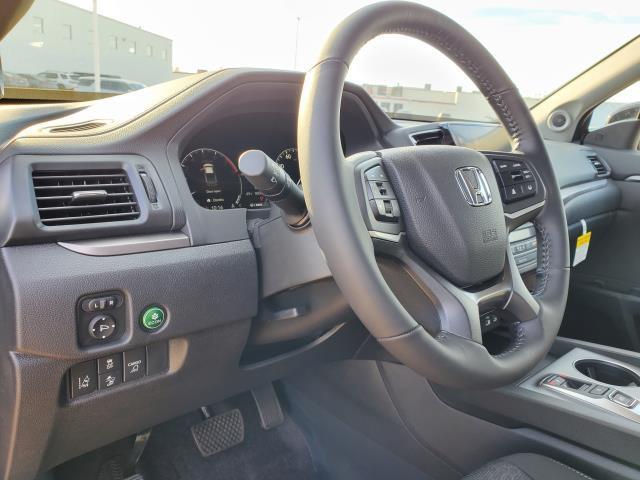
<point>125,45</point>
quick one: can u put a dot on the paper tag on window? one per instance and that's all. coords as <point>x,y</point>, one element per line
<point>582,245</point>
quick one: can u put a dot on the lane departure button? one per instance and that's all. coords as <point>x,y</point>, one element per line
<point>135,364</point>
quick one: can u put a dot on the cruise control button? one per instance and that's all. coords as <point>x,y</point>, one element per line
<point>512,193</point>
<point>135,364</point>
<point>529,188</point>
<point>83,378</point>
<point>112,363</point>
<point>108,380</point>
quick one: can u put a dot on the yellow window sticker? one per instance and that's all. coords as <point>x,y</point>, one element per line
<point>582,245</point>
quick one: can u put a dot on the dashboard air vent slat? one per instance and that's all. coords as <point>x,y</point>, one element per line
<point>429,137</point>
<point>599,166</point>
<point>77,127</point>
<point>73,197</point>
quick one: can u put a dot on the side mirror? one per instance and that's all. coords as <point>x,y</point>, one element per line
<point>631,111</point>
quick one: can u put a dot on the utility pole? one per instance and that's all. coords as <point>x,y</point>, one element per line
<point>96,49</point>
<point>295,52</point>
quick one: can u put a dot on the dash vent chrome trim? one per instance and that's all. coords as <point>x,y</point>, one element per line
<point>74,197</point>
<point>104,247</point>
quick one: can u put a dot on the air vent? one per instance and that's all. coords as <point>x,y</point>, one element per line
<point>72,197</point>
<point>429,137</point>
<point>599,165</point>
<point>77,127</point>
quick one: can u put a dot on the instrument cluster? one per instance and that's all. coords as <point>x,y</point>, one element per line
<point>216,183</point>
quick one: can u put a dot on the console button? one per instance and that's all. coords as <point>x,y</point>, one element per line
<point>512,193</point>
<point>135,364</point>
<point>503,165</point>
<point>622,399</point>
<point>108,380</point>
<point>598,390</point>
<point>102,327</point>
<point>83,378</point>
<point>555,381</point>
<point>112,363</point>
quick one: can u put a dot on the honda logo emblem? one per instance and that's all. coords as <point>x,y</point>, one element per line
<point>473,185</point>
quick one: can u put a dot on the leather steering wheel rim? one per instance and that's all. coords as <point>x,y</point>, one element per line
<point>328,178</point>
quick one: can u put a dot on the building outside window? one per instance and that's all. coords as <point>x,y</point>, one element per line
<point>163,54</point>
<point>396,91</point>
<point>113,42</point>
<point>382,90</point>
<point>385,106</point>
<point>38,25</point>
<point>133,48</point>
<point>67,32</point>
<point>149,50</point>
<point>397,107</point>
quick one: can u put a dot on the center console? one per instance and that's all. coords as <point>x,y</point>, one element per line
<point>591,378</point>
<point>582,393</point>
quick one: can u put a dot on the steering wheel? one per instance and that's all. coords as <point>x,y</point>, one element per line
<point>446,220</point>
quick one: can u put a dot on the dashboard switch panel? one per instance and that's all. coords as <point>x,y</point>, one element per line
<point>100,318</point>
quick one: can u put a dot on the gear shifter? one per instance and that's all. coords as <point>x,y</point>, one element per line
<point>276,185</point>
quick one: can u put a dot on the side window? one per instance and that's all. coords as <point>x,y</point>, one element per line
<point>624,105</point>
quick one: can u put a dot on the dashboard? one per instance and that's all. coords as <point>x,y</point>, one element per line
<point>193,238</point>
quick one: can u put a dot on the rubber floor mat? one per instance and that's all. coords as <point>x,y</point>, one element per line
<point>281,453</point>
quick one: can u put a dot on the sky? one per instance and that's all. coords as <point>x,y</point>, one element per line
<point>557,38</point>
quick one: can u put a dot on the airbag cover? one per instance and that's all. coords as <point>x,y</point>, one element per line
<point>465,243</point>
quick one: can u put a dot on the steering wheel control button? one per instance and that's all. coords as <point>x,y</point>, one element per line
<point>101,327</point>
<point>83,378</point>
<point>135,364</point>
<point>112,363</point>
<point>516,179</point>
<point>376,174</point>
<point>622,399</point>
<point>152,318</point>
<point>108,380</point>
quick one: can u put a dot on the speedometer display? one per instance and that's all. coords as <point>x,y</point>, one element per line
<point>216,183</point>
<point>213,178</point>
<point>288,160</point>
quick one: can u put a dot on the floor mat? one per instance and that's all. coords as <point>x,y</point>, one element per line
<point>281,453</point>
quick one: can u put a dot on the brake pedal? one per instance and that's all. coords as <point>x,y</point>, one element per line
<point>219,433</point>
<point>268,405</point>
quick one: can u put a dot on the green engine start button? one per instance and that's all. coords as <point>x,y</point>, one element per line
<point>152,318</point>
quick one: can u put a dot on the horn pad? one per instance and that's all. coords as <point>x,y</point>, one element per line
<point>452,222</point>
